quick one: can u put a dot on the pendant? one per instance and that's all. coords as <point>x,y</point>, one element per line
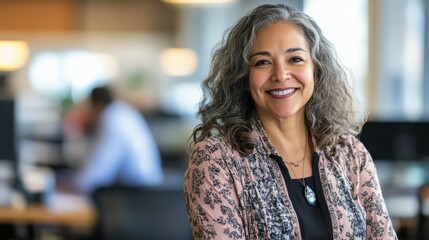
<point>310,196</point>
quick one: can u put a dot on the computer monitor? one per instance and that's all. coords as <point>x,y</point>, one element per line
<point>7,130</point>
<point>396,140</point>
<point>8,140</point>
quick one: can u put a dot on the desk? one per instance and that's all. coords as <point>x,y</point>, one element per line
<point>38,214</point>
<point>36,217</point>
<point>63,210</point>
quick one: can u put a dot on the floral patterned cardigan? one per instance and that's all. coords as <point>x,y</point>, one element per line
<point>233,197</point>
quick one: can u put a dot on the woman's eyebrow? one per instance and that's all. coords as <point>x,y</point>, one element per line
<point>265,53</point>
<point>289,50</point>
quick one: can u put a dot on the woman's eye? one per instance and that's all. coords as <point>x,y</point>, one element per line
<point>262,62</point>
<point>296,60</point>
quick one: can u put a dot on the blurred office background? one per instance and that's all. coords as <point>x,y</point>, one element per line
<point>156,53</point>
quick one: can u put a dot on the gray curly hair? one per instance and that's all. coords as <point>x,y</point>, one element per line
<point>227,108</point>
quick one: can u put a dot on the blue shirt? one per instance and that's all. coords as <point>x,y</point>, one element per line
<point>125,151</point>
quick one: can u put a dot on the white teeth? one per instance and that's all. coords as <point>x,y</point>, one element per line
<point>284,92</point>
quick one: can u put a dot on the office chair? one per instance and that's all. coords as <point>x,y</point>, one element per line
<point>126,212</point>
<point>423,217</point>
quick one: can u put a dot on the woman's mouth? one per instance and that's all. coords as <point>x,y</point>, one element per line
<point>282,93</point>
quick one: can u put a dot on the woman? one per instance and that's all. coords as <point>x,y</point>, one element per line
<point>276,156</point>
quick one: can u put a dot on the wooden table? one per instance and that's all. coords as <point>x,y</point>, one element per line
<point>39,214</point>
<point>62,213</point>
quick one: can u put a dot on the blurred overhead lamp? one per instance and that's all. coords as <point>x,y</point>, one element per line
<point>178,62</point>
<point>13,55</point>
<point>197,2</point>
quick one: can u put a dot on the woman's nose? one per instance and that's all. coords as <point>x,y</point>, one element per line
<point>280,73</point>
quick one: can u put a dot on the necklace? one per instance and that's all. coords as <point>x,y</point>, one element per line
<point>309,194</point>
<point>296,164</point>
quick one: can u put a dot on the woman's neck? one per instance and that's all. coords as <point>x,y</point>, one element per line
<point>289,136</point>
<point>285,130</point>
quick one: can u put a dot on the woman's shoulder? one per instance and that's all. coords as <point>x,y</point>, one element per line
<point>350,140</point>
<point>353,145</point>
<point>353,153</point>
<point>212,143</point>
<point>213,148</point>
<point>348,144</point>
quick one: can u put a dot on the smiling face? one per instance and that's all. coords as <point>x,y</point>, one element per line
<point>281,79</point>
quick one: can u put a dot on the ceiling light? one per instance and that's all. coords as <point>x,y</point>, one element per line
<point>13,55</point>
<point>178,62</point>
<point>197,2</point>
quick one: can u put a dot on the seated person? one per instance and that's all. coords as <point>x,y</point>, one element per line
<point>125,151</point>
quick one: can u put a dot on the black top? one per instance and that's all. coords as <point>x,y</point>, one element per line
<point>314,221</point>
